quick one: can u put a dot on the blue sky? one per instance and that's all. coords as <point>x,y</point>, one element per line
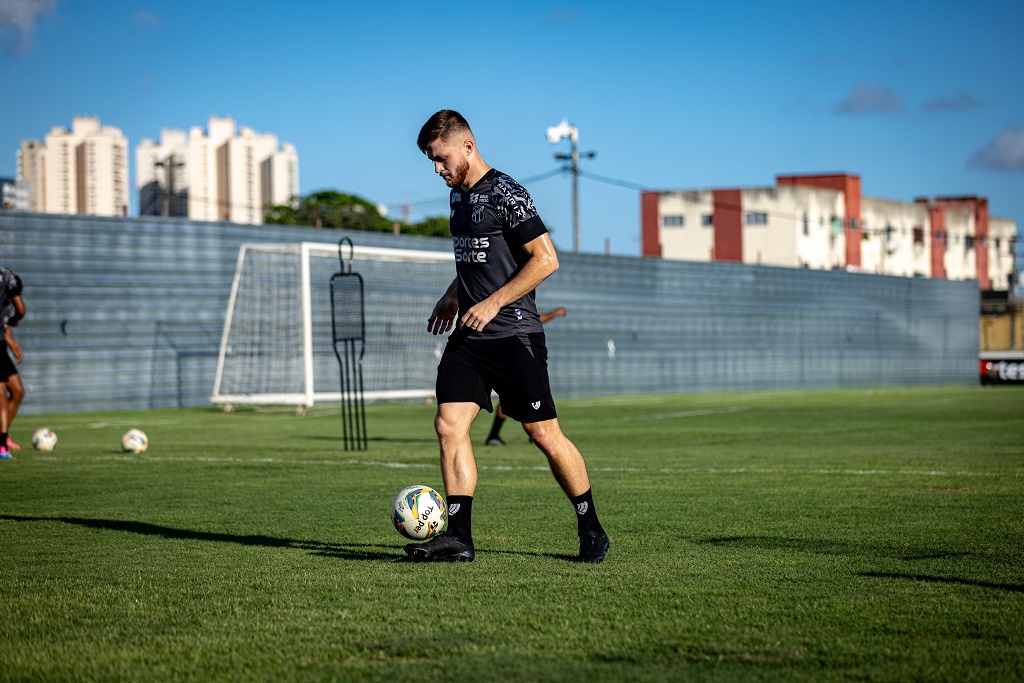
<point>917,98</point>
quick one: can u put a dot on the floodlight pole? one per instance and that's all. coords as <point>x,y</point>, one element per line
<point>555,134</point>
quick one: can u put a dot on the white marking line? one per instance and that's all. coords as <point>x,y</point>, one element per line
<point>126,425</point>
<point>685,413</point>
<point>544,468</point>
<point>668,416</point>
<point>909,473</point>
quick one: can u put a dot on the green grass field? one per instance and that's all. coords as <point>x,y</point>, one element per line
<point>833,535</point>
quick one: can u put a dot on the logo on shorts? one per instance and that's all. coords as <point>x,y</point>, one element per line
<point>536,405</point>
<point>519,314</point>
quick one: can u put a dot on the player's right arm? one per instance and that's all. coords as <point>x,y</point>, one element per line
<point>445,310</point>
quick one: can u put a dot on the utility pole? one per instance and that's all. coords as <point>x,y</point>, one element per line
<point>556,133</point>
<point>169,164</point>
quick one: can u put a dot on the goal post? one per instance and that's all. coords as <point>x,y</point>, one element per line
<point>277,347</point>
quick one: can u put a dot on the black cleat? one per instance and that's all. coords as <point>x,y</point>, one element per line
<point>443,548</point>
<point>593,546</point>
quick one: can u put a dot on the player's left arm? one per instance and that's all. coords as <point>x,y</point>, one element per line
<point>542,261</point>
<point>13,344</point>
<point>19,310</point>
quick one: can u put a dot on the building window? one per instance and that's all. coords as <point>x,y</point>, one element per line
<point>918,235</point>
<point>707,220</point>
<point>756,218</point>
<point>807,225</point>
<point>672,221</point>
<point>968,242</point>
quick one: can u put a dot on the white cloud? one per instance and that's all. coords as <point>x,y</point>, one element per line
<point>18,19</point>
<point>147,19</point>
<point>1004,153</point>
<point>875,99</point>
<point>961,101</point>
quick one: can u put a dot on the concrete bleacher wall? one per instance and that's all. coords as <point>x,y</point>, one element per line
<point>127,313</point>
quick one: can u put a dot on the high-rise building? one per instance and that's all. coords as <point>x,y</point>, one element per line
<point>822,221</point>
<point>84,170</point>
<point>215,175</point>
<point>31,176</point>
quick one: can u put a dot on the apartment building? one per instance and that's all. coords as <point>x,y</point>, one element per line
<point>79,171</point>
<point>824,222</point>
<point>217,174</point>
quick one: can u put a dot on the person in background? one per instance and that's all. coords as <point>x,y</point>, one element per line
<point>12,310</point>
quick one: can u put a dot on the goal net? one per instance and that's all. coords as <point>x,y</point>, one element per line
<point>277,347</point>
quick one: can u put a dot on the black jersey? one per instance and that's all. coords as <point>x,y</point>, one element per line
<point>9,288</point>
<point>490,224</point>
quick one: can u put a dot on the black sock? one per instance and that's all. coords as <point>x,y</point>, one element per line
<point>496,427</point>
<point>586,515</point>
<point>460,517</point>
<point>3,439</point>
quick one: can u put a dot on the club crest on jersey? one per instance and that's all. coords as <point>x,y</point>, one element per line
<point>478,213</point>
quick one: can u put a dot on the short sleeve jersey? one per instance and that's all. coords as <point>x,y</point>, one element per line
<point>8,289</point>
<point>490,223</point>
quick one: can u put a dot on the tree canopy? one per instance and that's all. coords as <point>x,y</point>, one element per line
<point>333,209</point>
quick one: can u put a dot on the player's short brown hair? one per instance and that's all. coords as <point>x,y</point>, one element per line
<point>441,125</point>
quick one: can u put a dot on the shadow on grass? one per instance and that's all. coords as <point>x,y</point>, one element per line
<point>337,551</point>
<point>1011,587</point>
<point>864,550</point>
<point>816,546</point>
<point>820,546</point>
<point>341,551</point>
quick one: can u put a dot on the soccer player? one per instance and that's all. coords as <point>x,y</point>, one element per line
<point>502,253</point>
<point>494,436</point>
<point>13,309</point>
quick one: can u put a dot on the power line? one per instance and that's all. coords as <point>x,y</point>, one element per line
<point>614,181</point>
<point>444,201</point>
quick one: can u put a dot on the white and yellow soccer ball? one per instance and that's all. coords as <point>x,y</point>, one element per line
<point>134,441</point>
<point>44,439</point>
<point>419,512</point>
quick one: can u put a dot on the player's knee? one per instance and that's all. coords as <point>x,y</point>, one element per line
<point>447,428</point>
<point>543,434</point>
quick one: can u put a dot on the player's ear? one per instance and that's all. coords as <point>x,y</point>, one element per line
<point>468,146</point>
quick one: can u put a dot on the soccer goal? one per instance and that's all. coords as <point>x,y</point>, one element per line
<point>277,347</point>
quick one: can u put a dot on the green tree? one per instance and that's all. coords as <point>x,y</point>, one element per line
<point>433,226</point>
<point>329,209</point>
<point>333,209</point>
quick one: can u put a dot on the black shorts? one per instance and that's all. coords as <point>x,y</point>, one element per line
<point>7,366</point>
<point>514,367</point>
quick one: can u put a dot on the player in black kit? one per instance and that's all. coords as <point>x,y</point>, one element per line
<point>12,309</point>
<point>502,253</point>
